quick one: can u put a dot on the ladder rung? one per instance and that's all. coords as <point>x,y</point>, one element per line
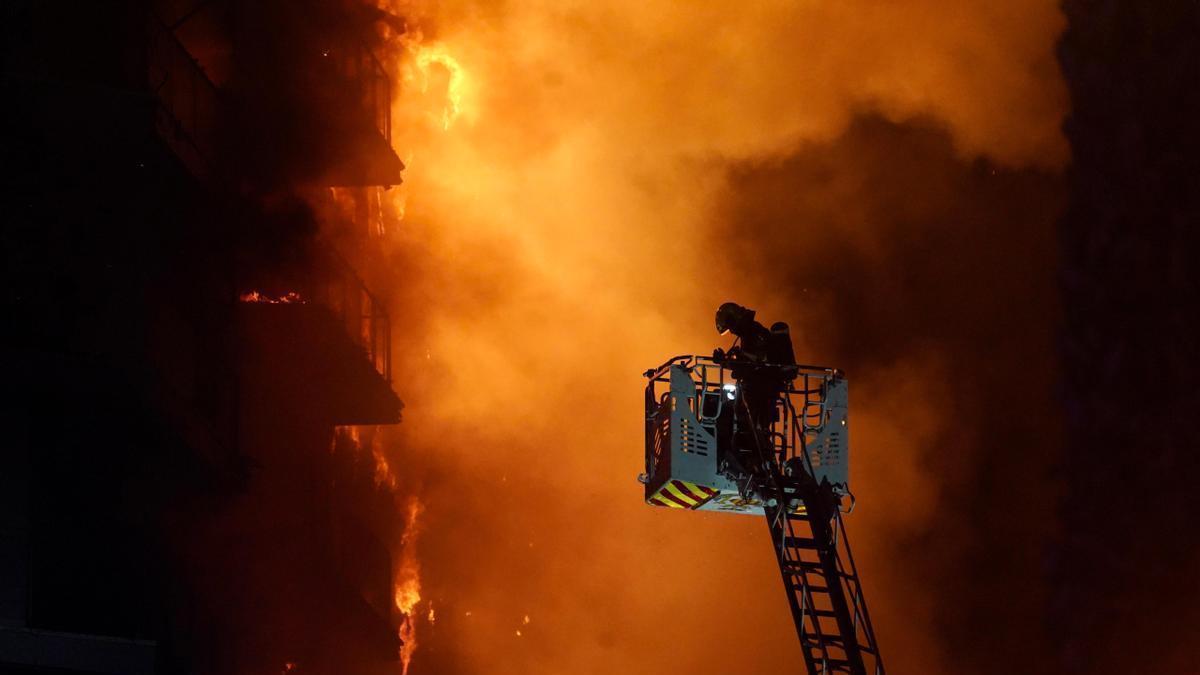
<point>800,542</point>
<point>818,592</point>
<point>833,635</point>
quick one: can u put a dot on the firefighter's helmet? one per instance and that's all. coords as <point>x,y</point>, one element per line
<point>732,315</point>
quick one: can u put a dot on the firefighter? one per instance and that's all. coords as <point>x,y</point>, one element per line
<point>764,364</point>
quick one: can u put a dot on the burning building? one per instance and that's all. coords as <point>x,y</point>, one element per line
<point>185,339</point>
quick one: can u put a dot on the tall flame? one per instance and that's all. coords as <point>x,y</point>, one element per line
<point>406,589</point>
<point>408,583</point>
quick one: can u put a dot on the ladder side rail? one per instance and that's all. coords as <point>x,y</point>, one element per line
<point>798,429</point>
<point>827,525</point>
<point>818,518</point>
<point>824,647</point>
<point>862,616</point>
<point>847,576</point>
<point>780,526</point>
<point>798,595</point>
<point>821,520</point>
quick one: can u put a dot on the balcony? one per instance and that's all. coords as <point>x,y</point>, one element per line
<point>313,103</point>
<point>359,312</point>
<point>363,77</point>
<point>185,115</point>
<point>325,340</point>
<point>355,74</point>
<point>110,87</point>
<point>308,107</point>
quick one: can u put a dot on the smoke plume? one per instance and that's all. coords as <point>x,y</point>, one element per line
<point>586,182</point>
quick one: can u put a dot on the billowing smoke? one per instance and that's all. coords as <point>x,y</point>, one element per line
<point>587,181</point>
<point>935,291</point>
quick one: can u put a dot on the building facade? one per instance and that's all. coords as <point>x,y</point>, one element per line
<point>185,331</point>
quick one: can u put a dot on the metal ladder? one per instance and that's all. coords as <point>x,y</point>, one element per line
<point>823,589</point>
<point>819,575</point>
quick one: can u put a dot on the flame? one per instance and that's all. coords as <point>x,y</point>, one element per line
<point>378,223</point>
<point>426,59</point>
<point>406,589</point>
<point>408,592</point>
<point>429,74</point>
<point>408,639</point>
<point>408,584</point>
<point>291,297</point>
<point>383,471</point>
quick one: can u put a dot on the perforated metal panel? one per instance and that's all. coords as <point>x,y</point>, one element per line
<point>829,443</point>
<point>682,438</point>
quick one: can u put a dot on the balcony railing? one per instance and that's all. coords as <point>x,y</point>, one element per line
<point>338,292</point>
<point>360,313</point>
<point>370,85</point>
<point>186,115</point>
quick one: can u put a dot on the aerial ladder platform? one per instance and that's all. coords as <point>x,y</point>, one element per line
<point>737,433</point>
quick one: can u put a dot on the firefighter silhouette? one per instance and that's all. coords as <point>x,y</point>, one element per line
<point>763,364</point>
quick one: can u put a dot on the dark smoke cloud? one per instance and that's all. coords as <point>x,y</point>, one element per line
<point>930,280</point>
